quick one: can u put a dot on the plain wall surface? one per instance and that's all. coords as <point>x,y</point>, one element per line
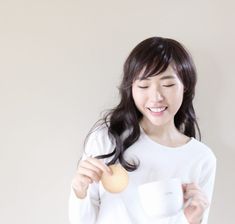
<point>60,65</point>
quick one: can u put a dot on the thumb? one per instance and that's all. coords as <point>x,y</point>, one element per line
<point>184,186</point>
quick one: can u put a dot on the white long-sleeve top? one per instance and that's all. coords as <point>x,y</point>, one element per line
<point>192,162</point>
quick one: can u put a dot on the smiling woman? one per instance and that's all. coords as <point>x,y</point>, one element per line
<point>159,98</point>
<point>152,134</point>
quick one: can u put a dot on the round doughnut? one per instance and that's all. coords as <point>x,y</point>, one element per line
<point>116,182</point>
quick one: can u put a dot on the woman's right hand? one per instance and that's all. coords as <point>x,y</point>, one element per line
<point>88,171</point>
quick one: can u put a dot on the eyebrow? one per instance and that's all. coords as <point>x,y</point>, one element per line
<point>165,77</point>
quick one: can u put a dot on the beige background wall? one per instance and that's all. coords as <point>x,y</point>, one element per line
<point>60,65</point>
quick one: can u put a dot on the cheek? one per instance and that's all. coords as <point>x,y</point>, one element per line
<point>134,95</point>
<point>177,97</point>
<point>139,98</point>
<point>179,92</point>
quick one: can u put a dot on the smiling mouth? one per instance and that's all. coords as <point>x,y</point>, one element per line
<point>157,109</point>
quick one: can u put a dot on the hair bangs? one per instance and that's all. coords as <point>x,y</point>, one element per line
<point>155,65</point>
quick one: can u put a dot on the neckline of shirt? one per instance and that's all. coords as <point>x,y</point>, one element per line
<point>164,146</point>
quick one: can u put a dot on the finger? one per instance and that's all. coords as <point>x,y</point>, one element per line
<point>81,181</point>
<point>184,186</point>
<point>187,202</point>
<point>80,187</point>
<point>99,164</point>
<point>89,173</point>
<point>197,204</point>
<point>87,165</point>
<point>85,180</point>
<point>197,201</point>
<point>192,193</point>
<point>201,201</point>
<point>192,186</point>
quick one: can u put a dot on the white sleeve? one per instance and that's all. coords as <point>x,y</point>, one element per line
<point>84,211</point>
<point>207,184</point>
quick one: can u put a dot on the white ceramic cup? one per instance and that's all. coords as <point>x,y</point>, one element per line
<point>161,198</point>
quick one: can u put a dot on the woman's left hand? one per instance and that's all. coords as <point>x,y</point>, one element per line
<point>199,202</point>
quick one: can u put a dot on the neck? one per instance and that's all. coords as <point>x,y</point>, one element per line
<point>165,132</point>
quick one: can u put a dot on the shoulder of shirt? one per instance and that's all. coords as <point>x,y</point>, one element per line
<point>100,141</point>
<point>205,151</point>
<point>99,133</point>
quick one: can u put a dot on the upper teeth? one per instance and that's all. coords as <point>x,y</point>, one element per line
<point>157,109</point>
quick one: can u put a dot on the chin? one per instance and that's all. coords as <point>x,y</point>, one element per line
<point>158,123</point>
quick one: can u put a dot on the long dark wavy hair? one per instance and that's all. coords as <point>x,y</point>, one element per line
<point>154,54</point>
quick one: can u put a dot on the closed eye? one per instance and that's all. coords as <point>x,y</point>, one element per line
<point>143,87</point>
<point>168,85</point>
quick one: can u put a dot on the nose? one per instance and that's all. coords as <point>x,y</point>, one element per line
<point>156,95</point>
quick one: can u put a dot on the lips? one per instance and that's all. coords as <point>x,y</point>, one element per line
<point>157,109</point>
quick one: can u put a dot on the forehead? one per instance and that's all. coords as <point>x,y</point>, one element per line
<point>169,73</point>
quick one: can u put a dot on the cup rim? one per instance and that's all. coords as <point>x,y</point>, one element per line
<point>159,181</point>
